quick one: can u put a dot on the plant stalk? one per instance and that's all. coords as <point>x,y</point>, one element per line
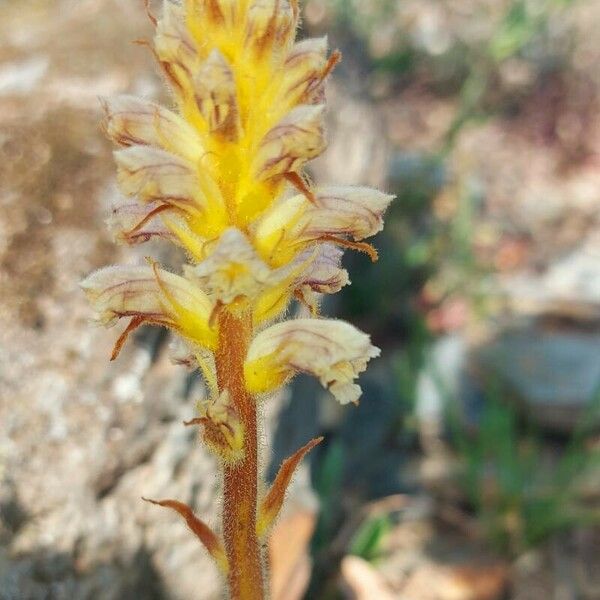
<point>240,488</point>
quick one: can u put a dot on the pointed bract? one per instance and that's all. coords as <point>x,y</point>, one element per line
<point>273,501</point>
<point>202,531</point>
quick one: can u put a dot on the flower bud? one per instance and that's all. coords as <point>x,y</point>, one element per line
<point>296,139</point>
<point>223,431</point>
<point>270,26</point>
<point>215,93</point>
<point>303,70</point>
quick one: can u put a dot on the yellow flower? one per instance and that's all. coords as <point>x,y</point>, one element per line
<point>148,294</point>
<point>334,214</point>
<point>333,351</point>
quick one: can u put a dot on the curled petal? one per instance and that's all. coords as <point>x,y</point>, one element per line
<point>154,175</point>
<point>134,223</point>
<point>133,121</point>
<point>152,295</point>
<point>314,271</point>
<point>233,270</point>
<point>295,140</point>
<point>215,92</point>
<point>333,351</point>
<point>175,47</point>
<point>304,68</point>
<point>271,25</point>
<point>333,213</point>
<point>325,275</point>
<point>353,211</point>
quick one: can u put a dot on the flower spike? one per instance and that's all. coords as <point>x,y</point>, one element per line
<point>221,174</point>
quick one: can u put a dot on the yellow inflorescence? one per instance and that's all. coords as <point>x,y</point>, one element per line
<point>221,175</point>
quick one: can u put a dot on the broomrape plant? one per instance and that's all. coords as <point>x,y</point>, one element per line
<point>221,175</point>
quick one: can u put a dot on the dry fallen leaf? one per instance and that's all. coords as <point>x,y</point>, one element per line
<point>360,581</point>
<point>290,563</point>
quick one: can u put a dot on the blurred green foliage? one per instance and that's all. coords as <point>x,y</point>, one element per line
<point>328,480</point>
<point>459,60</point>
<point>520,492</point>
<point>368,541</point>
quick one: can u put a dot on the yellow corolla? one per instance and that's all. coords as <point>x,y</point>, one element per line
<point>333,351</point>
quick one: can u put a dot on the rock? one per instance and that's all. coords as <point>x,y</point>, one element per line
<point>569,287</point>
<point>554,373</point>
<point>24,77</point>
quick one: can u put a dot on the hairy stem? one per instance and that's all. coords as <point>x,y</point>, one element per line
<point>246,578</point>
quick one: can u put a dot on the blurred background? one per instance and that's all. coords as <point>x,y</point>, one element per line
<point>470,470</point>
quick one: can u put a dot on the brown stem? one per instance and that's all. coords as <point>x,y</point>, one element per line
<point>246,578</point>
